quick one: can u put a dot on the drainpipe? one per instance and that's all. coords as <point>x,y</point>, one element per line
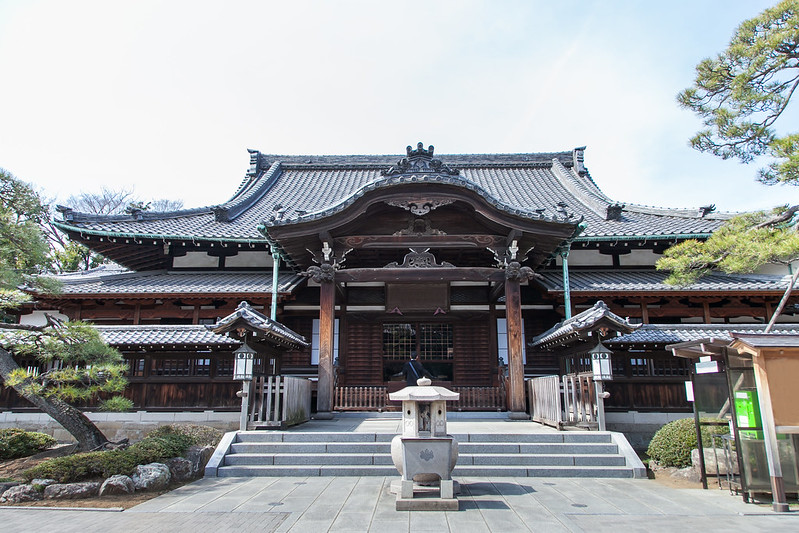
<point>563,252</point>
<point>275,272</point>
<point>567,299</point>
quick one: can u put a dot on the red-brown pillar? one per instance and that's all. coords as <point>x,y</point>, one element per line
<point>513,315</point>
<point>327,312</point>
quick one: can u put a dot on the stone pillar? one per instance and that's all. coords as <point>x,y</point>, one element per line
<point>514,274</point>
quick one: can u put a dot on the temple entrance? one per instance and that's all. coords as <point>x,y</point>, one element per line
<point>432,341</point>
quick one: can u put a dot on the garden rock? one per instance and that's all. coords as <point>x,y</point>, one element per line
<point>117,484</point>
<point>5,485</point>
<point>21,494</point>
<point>71,491</point>
<point>199,457</point>
<point>43,482</point>
<point>153,476</point>
<point>710,461</point>
<point>180,469</point>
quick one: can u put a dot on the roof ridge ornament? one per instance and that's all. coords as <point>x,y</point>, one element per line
<point>418,161</point>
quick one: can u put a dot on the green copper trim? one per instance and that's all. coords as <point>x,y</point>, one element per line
<point>162,237</point>
<point>605,238</point>
<point>275,273</point>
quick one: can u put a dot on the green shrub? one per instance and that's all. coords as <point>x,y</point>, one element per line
<point>200,435</point>
<point>116,404</point>
<point>90,465</point>
<point>672,444</point>
<point>15,442</point>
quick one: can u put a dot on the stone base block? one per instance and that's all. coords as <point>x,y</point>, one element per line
<point>423,490</point>
<point>427,504</point>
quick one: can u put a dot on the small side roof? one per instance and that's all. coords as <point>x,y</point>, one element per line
<point>581,325</point>
<point>248,318</point>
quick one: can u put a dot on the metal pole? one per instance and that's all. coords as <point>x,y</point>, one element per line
<point>245,404</point>
<point>567,299</point>
<point>275,272</point>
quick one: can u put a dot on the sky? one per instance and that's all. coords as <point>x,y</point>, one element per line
<point>166,97</point>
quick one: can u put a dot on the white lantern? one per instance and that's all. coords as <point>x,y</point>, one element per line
<point>243,362</point>
<point>601,363</point>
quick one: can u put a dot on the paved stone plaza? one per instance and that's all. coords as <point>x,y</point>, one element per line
<point>318,504</point>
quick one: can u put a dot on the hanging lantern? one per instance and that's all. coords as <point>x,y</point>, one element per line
<point>243,362</point>
<point>601,363</point>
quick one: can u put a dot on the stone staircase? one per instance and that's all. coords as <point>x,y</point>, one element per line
<point>297,453</point>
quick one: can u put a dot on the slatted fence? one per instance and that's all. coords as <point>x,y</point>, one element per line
<point>568,400</point>
<point>279,401</point>
<point>361,398</point>
<point>478,399</point>
<point>545,400</point>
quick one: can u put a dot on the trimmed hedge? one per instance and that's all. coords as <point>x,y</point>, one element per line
<point>15,442</point>
<point>672,444</point>
<point>199,435</point>
<point>104,464</point>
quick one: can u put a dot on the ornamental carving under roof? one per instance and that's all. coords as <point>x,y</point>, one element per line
<point>416,259</point>
<point>420,206</point>
<point>419,227</point>
<point>420,161</point>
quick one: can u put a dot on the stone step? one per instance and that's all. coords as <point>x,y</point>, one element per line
<point>242,459</point>
<point>531,438</point>
<point>385,448</point>
<point>296,453</point>
<point>460,471</point>
<point>306,470</point>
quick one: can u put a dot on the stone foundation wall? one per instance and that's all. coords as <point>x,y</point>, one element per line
<point>639,428</point>
<point>118,426</point>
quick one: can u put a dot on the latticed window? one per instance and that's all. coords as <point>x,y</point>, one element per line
<point>430,341</point>
<point>180,367</point>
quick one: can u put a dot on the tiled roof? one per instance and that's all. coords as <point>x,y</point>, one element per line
<point>152,336</point>
<point>125,282</point>
<point>663,334</point>
<point>581,322</point>
<point>260,323</point>
<point>283,189</point>
<point>653,281</point>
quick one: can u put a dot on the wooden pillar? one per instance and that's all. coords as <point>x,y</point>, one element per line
<point>779,501</point>
<point>706,311</point>
<point>644,313</point>
<point>195,316</point>
<point>327,317</point>
<point>137,315</point>
<point>513,315</point>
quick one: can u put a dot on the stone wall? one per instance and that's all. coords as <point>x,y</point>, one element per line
<point>118,426</point>
<point>639,428</point>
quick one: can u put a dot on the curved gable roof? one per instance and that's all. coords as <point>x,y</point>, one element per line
<point>281,190</point>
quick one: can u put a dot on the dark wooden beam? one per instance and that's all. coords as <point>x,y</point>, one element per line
<point>418,241</point>
<point>420,275</point>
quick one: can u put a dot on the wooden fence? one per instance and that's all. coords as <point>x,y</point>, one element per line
<point>360,398</point>
<point>569,400</point>
<point>375,398</point>
<point>279,401</point>
<point>545,400</point>
<point>478,399</point>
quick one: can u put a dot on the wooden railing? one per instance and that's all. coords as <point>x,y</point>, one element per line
<point>545,400</point>
<point>478,399</point>
<point>579,399</point>
<point>360,398</point>
<point>375,398</point>
<point>569,400</point>
<point>279,401</point>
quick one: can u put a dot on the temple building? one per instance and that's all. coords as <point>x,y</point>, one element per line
<point>489,266</point>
